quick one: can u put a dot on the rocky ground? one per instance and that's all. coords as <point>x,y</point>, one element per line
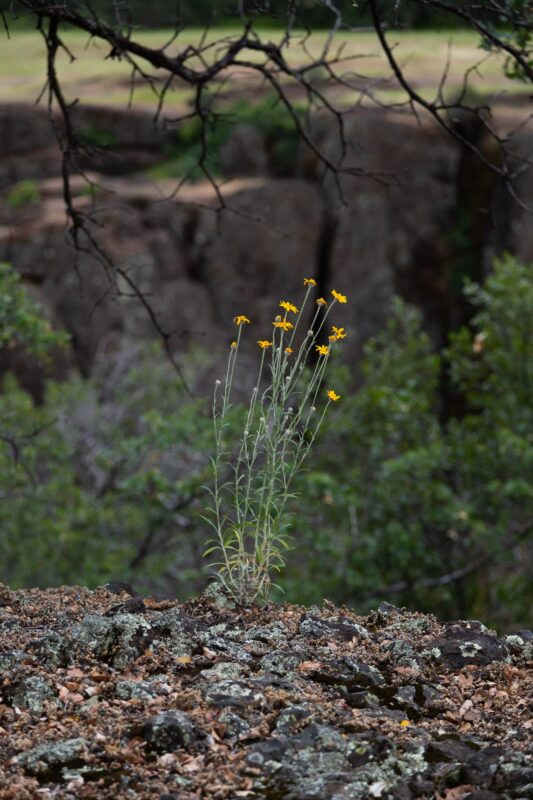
<point>104,694</point>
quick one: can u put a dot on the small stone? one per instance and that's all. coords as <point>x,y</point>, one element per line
<point>118,640</point>
<point>31,693</point>
<point>135,690</point>
<point>234,693</point>
<point>10,659</point>
<point>176,631</point>
<point>169,730</point>
<point>336,628</point>
<point>47,761</point>
<point>461,646</point>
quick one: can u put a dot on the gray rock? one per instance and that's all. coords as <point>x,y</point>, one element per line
<point>460,646</point>
<point>176,632</point>
<point>226,670</point>
<point>320,763</point>
<point>135,690</point>
<point>235,725</point>
<point>290,718</point>
<point>338,628</point>
<point>11,659</point>
<point>31,693</point>
<point>346,671</point>
<point>52,650</point>
<point>170,730</point>
<point>234,693</point>
<point>281,662</point>
<point>47,761</point>
<point>117,640</point>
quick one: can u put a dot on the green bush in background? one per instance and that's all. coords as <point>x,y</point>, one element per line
<point>394,505</point>
<point>398,500</point>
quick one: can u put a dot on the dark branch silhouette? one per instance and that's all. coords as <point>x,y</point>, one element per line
<point>205,67</point>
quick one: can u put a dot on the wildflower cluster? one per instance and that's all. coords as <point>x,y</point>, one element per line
<point>252,481</point>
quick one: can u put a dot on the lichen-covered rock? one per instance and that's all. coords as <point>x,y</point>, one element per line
<point>319,762</point>
<point>290,718</point>
<point>226,670</point>
<point>52,650</point>
<point>234,693</point>
<point>175,631</point>
<point>520,646</point>
<point>234,724</point>
<point>282,662</point>
<point>135,690</point>
<point>47,761</point>
<point>345,671</point>
<point>315,627</point>
<point>459,646</point>
<point>220,641</point>
<point>117,640</point>
<point>170,730</point>
<point>10,659</point>
<point>30,692</point>
<point>274,634</point>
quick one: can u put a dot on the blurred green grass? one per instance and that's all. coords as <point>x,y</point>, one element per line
<point>96,80</point>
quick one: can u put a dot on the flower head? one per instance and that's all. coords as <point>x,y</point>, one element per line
<point>283,323</point>
<point>309,282</point>
<point>337,333</point>
<point>288,350</point>
<point>322,349</point>
<point>233,345</point>
<point>333,396</point>
<point>321,302</point>
<point>264,343</point>
<point>241,320</point>
<point>288,306</point>
<point>338,296</point>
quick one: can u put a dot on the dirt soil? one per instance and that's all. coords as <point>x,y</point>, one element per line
<point>105,694</point>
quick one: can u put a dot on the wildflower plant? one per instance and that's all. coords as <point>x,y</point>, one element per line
<point>252,481</point>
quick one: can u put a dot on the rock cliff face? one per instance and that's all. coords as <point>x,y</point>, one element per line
<point>106,694</point>
<point>398,229</point>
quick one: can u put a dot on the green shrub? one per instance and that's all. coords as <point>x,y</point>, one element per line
<point>23,193</point>
<point>110,485</point>
<point>268,116</point>
<point>21,320</point>
<point>397,500</point>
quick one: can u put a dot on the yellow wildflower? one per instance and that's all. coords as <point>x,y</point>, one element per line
<point>240,320</point>
<point>288,350</point>
<point>283,323</point>
<point>333,396</point>
<point>322,349</point>
<point>321,302</point>
<point>405,723</point>
<point>288,306</point>
<point>332,338</point>
<point>338,333</point>
<point>233,345</point>
<point>264,343</point>
<point>338,296</point>
<point>309,282</point>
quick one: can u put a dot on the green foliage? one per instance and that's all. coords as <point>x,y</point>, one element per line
<point>21,321</point>
<point>110,484</point>
<point>23,193</point>
<point>395,498</point>
<point>97,136</point>
<point>268,116</point>
<point>281,423</point>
